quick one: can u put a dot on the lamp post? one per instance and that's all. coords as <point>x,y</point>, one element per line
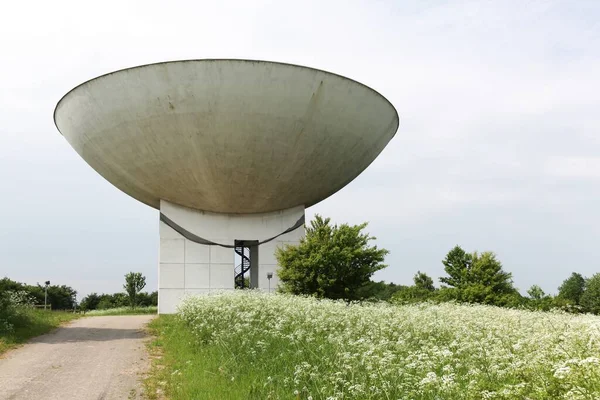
<point>46,294</point>
<point>269,276</point>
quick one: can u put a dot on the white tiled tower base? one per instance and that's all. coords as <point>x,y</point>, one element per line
<point>186,267</point>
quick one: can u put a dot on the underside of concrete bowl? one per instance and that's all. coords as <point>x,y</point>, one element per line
<point>227,136</point>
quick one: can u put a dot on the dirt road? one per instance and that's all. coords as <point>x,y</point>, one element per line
<point>91,358</point>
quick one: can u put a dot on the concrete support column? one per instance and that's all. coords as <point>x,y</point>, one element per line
<point>254,262</point>
<point>187,267</point>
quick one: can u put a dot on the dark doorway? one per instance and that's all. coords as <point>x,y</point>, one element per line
<point>246,264</point>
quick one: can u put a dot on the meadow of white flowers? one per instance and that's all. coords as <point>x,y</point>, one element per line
<point>309,349</point>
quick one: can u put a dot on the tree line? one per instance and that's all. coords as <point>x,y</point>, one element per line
<point>479,278</point>
<point>105,301</point>
<point>338,262</point>
<point>60,297</point>
<point>63,297</point>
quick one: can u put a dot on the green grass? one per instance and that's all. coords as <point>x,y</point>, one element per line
<point>183,369</point>
<point>29,323</point>
<point>123,311</point>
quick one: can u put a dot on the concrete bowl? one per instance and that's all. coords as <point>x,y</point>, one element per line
<point>230,136</point>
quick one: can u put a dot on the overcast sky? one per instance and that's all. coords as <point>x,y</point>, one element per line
<point>498,146</point>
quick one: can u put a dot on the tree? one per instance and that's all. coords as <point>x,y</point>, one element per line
<point>106,303</point>
<point>134,283</point>
<point>478,278</point>
<point>590,299</point>
<point>538,300</point>
<point>95,301</point>
<point>572,289</point>
<point>421,291</point>
<point>7,285</point>
<point>59,297</point>
<point>154,298</point>
<point>536,292</point>
<point>456,264</point>
<point>331,261</point>
<point>147,299</point>
<point>90,302</point>
<point>423,281</point>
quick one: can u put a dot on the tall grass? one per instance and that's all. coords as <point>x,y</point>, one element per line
<point>26,323</point>
<point>245,345</point>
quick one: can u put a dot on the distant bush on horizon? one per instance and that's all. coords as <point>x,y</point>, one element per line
<point>123,311</point>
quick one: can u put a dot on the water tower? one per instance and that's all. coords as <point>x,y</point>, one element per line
<point>231,152</point>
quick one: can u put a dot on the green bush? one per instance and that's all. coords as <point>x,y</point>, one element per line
<point>6,312</point>
<point>590,299</point>
<point>95,301</point>
<point>12,305</point>
<point>331,261</point>
<point>411,295</point>
<point>28,322</point>
<point>60,297</point>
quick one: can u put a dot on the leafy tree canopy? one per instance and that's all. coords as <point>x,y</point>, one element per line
<point>590,299</point>
<point>423,281</point>
<point>536,292</point>
<point>331,261</point>
<point>477,278</point>
<point>421,291</point>
<point>572,288</point>
<point>134,283</point>
<point>379,290</point>
<point>60,297</point>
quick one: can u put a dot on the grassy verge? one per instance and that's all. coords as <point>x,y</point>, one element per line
<point>183,369</point>
<point>256,346</point>
<point>123,311</point>
<point>29,323</point>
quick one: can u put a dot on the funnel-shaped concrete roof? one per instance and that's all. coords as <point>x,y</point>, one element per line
<point>232,136</point>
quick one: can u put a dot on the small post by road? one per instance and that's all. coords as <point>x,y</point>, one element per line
<point>269,276</point>
<point>46,294</point>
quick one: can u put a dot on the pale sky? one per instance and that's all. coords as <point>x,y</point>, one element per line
<point>498,146</point>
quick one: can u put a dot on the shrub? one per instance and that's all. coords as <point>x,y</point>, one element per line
<point>12,302</point>
<point>7,310</point>
<point>331,261</point>
<point>590,299</point>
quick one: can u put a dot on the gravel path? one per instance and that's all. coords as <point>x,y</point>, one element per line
<point>91,358</point>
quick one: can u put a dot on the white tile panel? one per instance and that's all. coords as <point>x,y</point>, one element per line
<point>168,300</point>
<point>196,292</point>
<point>197,276</point>
<point>221,255</point>
<point>266,253</point>
<point>221,276</point>
<point>172,250</point>
<point>171,276</point>
<point>196,253</point>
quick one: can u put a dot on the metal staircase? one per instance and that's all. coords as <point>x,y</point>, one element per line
<point>243,268</point>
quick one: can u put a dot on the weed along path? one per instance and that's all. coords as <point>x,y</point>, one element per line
<point>91,358</point>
